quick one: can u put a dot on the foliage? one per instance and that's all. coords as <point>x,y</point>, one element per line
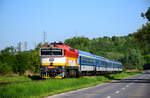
<point>142,38</point>
<point>11,62</point>
<point>35,61</point>
<point>5,68</point>
<point>19,45</point>
<point>133,59</point>
<point>7,62</point>
<point>10,49</point>
<point>22,62</point>
<point>147,14</point>
<point>147,58</point>
<point>78,43</point>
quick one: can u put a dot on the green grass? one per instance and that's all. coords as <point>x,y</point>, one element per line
<point>120,75</point>
<point>12,79</point>
<point>53,86</point>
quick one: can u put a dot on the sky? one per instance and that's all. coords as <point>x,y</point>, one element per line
<point>26,20</point>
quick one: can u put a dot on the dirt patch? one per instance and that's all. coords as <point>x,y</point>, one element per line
<point>4,83</point>
<point>11,74</point>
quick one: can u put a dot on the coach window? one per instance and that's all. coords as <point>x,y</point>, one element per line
<point>97,62</point>
<point>115,65</point>
<point>103,63</point>
<point>91,61</point>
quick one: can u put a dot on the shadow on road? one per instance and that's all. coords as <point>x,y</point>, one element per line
<point>146,72</point>
<point>134,80</point>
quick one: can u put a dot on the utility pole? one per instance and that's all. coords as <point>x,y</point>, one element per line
<point>44,37</point>
<point>25,46</point>
<point>35,45</point>
<point>76,31</point>
<point>19,46</point>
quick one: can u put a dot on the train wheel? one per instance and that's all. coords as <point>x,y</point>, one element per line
<point>66,73</point>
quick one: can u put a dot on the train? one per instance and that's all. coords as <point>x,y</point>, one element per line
<point>58,60</point>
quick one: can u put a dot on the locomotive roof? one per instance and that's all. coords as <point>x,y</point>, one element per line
<point>52,45</point>
<point>57,45</point>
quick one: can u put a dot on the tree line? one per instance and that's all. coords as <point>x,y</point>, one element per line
<point>132,50</point>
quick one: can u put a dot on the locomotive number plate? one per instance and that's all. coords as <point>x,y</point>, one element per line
<point>51,59</point>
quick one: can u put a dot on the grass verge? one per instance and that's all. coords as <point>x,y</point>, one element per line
<point>54,86</point>
<point>12,79</point>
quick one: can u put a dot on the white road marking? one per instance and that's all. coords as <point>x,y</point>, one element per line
<point>127,85</point>
<point>123,88</point>
<point>108,97</point>
<point>117,92</point>
<point>131,83</point>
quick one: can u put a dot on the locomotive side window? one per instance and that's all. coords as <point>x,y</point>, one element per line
<point>51,52</point>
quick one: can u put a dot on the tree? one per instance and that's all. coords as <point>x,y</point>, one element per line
<point>142,38</point>
<point>147,58</point>
<point>38,46</point>
<point>34,61</point>
<point>5,68</point>
<point>22,62</point>
<point>81,43</point>
<point>19,46</point>
<point>7,62</point>
<point>133,59</point>
<point>147,14</point>
<point>25,46</point>
<point>10,49</point>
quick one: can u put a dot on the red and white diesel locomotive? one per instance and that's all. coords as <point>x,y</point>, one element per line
<point>58,60</point>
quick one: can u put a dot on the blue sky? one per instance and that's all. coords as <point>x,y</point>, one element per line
<point>25,20</point>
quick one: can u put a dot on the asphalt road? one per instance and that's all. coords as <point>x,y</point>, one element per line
<point>134,87</point>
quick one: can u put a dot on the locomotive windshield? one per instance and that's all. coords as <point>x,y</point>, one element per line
<point>51,52</point>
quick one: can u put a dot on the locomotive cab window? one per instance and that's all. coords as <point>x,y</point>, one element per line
<point>51,52</point>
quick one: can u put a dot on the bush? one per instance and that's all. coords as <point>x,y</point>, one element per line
<point>22,62</point>
<point>147,58</point>
<point>5,68</point>
<point>7,62</point>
